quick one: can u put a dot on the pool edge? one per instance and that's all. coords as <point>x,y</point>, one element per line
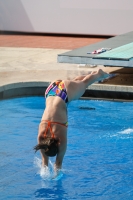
<point>95,91</point>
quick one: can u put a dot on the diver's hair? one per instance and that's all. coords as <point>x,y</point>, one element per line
<point>49,145</point>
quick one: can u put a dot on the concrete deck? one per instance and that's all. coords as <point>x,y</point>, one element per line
<point>28,71</point>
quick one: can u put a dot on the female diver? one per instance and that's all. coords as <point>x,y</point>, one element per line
<point>52,134</point>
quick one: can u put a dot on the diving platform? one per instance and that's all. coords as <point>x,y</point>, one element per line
<point>116,51</point>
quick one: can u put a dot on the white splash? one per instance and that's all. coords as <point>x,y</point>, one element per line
<point>46,173</point>
<point>127,131</point>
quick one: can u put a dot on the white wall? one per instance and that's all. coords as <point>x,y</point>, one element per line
<point>96,17</point>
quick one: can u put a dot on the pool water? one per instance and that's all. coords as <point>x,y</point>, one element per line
<point>98,164</point>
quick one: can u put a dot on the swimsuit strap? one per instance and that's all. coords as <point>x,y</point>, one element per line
<point>49,127</point>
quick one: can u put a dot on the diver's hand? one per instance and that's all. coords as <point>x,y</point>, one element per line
<point>56,173</point>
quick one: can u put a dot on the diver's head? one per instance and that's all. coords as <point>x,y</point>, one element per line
<point>49,145</point>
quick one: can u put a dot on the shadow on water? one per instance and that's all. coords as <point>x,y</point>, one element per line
<point>51,190</point>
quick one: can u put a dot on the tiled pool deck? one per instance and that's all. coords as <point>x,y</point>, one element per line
<point>28,63</point>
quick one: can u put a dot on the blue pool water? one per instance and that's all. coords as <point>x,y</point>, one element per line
<point>99,160</point>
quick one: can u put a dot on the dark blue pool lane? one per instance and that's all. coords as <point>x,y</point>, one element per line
<point>99,160</point>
